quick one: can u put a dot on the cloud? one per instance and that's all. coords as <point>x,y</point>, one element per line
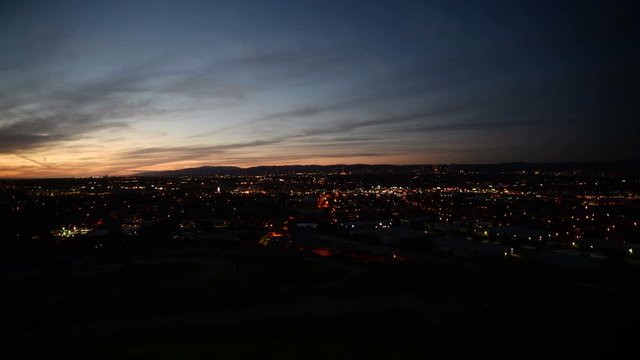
<point>43,164</point>
<point>41,112</point>
<point>295,113</point>
<point>287,64</point>
<point>49,130</point>
<point>41,120</point>
<point>157,155</point>
<point>150,156</point>
<point>337,127</point>
<point>448,86</point>
<point>302,156</point>
<point>477,125</point>
<point>45,113</point>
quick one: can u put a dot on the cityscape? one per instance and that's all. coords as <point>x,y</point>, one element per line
<point>319,179</point>
<point>438,246</point>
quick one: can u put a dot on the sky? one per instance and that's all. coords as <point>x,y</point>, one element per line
<point>117,87</point>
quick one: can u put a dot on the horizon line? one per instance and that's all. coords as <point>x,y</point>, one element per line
<point>142,172</point>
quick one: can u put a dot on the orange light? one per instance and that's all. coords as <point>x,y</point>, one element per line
<point>322,252</point>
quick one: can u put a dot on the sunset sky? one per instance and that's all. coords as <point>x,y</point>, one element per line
<point>118,87</point>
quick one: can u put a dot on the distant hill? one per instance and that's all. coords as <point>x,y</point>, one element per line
<point>614,167</point>
<point>288,169</point>
<point>199,171</point>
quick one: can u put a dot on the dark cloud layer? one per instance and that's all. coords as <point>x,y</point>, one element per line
<point>330,79</point>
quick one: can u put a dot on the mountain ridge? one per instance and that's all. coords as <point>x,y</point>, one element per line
<point>624,166</point>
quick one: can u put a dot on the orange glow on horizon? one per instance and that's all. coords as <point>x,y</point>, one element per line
<point>72,165</point>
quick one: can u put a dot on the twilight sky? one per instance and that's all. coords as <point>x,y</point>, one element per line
<point>116,87</point>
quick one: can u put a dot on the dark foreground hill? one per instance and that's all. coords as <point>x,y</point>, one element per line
<point>245,303</point>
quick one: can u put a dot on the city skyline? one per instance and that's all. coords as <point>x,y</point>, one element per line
<point>118,88</point>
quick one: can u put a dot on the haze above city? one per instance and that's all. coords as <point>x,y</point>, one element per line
<point>121,87</point>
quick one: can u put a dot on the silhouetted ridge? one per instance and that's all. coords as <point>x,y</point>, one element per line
<point>619,167</point>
